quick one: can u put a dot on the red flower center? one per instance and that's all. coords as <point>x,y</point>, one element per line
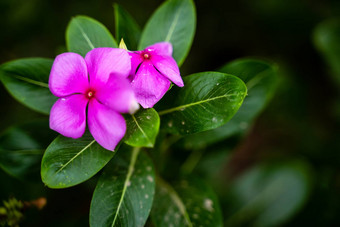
<point>146,55</point>
<point>90,94</point>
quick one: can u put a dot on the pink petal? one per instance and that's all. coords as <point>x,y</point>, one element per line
<point>162,48</point>
<point>68,116</point>
<point>168,67</point>
<point>102,62</point>
<point>106,126</point>
<point>136,60</point>
<point>68,75</point>
<point>117,94</point>
<point>149,85</point>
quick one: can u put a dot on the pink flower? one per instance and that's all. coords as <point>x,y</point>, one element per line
<point>151,72</point>
<point>95,88</point>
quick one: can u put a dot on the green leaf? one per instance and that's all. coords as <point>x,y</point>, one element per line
<point>268,194</point>
<point>84,34</point>
<point>175,22</point>
<point>27,81</point>
<point>126,27</point>
<point>142,128</point>
<point>125,191</point>
<point>191,203</point>
<point>22,147</point>
<point>68,161</point>
<point>327,41</point>
<point>261,80</point>
<point>207,101</point>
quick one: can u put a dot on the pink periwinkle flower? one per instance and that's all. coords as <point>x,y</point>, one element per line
<point>152,69</point>
<point>95,88</point>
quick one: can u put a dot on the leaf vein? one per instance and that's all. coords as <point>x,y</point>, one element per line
<point>134,156</point>
<point>172,27</point>
<point>74,157</point>
<point>41,84</point>
<point>87,39</point>
<point>177,200</point>
<point>178,108</point>
<point>140,128</point>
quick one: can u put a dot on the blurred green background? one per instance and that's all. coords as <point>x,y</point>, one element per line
<point>284,171</point>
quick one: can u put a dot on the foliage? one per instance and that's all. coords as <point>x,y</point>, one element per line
<point>193,159</point>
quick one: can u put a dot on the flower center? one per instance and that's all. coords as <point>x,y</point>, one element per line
<point>146,56</point>
<point>90,94</point>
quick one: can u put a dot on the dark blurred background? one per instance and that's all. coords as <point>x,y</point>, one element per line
<point>302,121</point>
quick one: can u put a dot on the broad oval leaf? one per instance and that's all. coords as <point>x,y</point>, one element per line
<point>125,191</point>
<point>207,101</point>
<point>126,27</point>
<point>142,128</point>
<point>27,81</point>
<point>191,203</point>
<point>175,22</point>
<point>68,161</point>
<point>268,194</point>
<point>84,34</point>
<point>22,147</point>
<point>261,80</point>
<point>327,40</point>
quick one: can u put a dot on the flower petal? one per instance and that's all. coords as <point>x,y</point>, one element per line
<point>117,94</point>
<point>168,67</point>
<point>102,62</point>
<point>149,85</point>
<point>68,116</point>
<point>161,48</point>
<point>68,75</point>
<point>106,126</point>
<point>136,60</point>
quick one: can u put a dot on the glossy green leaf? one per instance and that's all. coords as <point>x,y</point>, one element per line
<point>84,34</point>
<point>125,191</point>
<point>68,161</point>
<point>207,101</point>
<point>261,80</point>
<point>327,40</point>
<point>191,203</point>
<point>22,147</point>
<point>268,194</point>
<point>27,81</point>
<point>175,22</point>
<point>126,27</point>
<point>142,128</point>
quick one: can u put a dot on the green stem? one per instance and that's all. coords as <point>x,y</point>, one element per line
<point>191,162</point>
